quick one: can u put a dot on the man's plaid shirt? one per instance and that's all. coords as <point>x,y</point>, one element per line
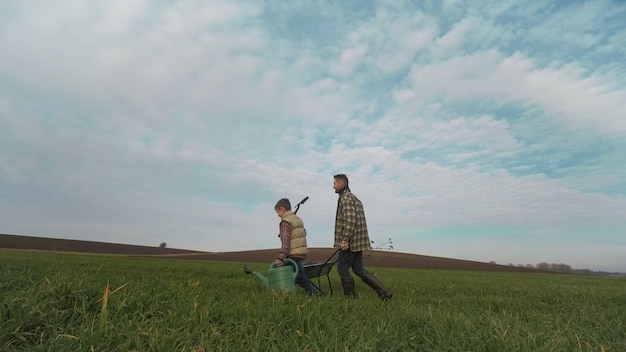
<point>350,225</point>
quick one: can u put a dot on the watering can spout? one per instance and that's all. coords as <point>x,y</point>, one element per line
<point>264,280</point>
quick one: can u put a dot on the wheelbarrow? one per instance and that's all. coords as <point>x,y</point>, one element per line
<point>317,270</point>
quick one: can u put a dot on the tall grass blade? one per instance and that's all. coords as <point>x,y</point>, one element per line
<point>104,318</point>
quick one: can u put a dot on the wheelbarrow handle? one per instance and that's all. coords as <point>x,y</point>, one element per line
<point>301,202</point>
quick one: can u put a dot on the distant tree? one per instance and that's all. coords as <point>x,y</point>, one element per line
<point>560,268</point>
<point>492,262</point>
<point>163,245</point>
<point>566,268</point>
<point>387,245</point>
<point>554,267</point>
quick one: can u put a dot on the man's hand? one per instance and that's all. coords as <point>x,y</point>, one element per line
<point>344,245</point>
<point>278,262</point>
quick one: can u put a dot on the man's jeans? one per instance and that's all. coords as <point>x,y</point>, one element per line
<point>348,259</point>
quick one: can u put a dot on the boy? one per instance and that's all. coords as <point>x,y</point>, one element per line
<point>293,242</point>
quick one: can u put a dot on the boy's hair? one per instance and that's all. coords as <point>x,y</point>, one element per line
<point>283,203</point>
<point>343,178</point>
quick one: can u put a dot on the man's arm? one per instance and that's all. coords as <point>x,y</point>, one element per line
<point>349,219</point>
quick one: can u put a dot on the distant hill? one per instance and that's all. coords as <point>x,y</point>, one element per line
<point>373,258</point>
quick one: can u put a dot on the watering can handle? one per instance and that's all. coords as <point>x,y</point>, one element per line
<point>292,263</point>
<point>295,267</point>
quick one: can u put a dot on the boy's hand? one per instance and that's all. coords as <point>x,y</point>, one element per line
<point>278,262</point>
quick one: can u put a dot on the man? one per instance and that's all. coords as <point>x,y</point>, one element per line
<point>351,235</point>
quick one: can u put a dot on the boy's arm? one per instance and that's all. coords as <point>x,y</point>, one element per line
<point>285,241</point>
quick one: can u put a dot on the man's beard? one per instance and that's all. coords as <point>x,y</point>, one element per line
<point>340,190</point>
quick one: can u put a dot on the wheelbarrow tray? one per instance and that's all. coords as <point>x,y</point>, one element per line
<point>317,270</point>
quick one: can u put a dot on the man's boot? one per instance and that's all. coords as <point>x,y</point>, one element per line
<point>348,287</point>
<point>383,292</point>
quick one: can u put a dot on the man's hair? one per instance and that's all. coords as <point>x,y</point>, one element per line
<point>343,178</point>
<point>283,203</point>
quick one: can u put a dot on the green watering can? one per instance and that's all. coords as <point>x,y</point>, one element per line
<point>280,278</point>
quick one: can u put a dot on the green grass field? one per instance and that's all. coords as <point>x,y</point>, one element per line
<point>71,302</point>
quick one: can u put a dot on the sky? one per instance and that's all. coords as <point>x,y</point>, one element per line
<point>490,131</point>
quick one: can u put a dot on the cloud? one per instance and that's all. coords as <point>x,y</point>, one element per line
<point>185,121</point>
<point>560,92</point>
